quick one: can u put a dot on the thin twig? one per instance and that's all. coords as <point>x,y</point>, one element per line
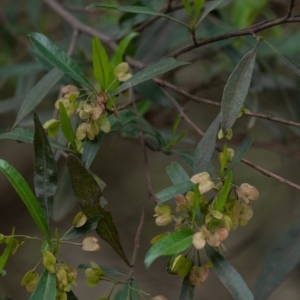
<point>236,33</point>
<point>291,7</point>
<point>245,161</point>
<point>272,118</point>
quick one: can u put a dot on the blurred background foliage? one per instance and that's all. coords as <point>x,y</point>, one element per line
<point>274,90</point>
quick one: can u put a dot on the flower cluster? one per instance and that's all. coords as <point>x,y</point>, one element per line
<point>65,276</point>
<point>211,210</point>
<point>92,111</point>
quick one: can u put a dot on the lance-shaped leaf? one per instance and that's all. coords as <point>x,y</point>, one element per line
<point>101,64</point>
<point>88,193</point>
<point>66,125</point>
<point>90,150</point>
<point>118,55</point>
<point>77,232</point>
<point>224,193</point>
<point>135,10</point>
<point>149,72</point>
<point>46,288</point>
<point>210,6</point>
<point>45,172</point>
<point>27,136</point>
<point>170,244</point>
<point>176,173</point>
<point>228,275</point>
<point>206,147</point>
<point>282,259</point>
<point>58,58</point>
<point>37,93</point>
<point>25,193</point>
<point>295,67</point>
<point>187,290</point>
<point>236,89</point>
<point>170,192</point>
<point>7,251</point>
<point>198,4</point>
<point>239,153</point>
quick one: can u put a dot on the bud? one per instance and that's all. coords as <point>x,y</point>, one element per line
<point>160,298</point>
<point>181,202</point>
<point>104,123</point>
<point>93,275</point>
<point>84,130</point>
<point>67,90</point>
<point>163,214</point>
<point>221,234</point>
<point>163,220</point>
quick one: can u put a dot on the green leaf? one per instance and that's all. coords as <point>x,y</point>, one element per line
<point>46,288</point>
<point>295,67</point>
<point>170,244</point>
<point>27,136</point>
<point>7,251</point>
<point>77,232</point>
<point>125,116</point>
<point>106,270</point>
<point>118,55</point>
<point>198,4</point>
<point>230,278</point>
<point>59,58</point>
<point>101,65</point>
<point>37,93</point>
<point>66,126</point>
<point>171,191</point>
<point>239,153</point>
<point>45,172</point>
<point>210,6</point>
<point>88,193</point>
<point>149,72</point>
<point>206,147</point>
<point>282,259</point>
<point>176,173</point>
<point>223,196</point>
<point>236,89</point>
<point>90,150</point>
<point>187,7</point>
<point>25,193</point>
<point>135,10</point>
<point>187,290</point>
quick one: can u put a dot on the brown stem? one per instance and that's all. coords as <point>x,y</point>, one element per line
<point>291,7</point>
<point>245,161</point>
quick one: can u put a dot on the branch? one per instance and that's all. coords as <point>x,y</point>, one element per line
<point>291,7</point>
<point>245,161</point>
<point>248,31</point>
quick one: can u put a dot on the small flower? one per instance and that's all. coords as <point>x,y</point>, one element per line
<point>84,130</point>
<point>93,274</point>
<point>204,181</point>
<point>49,261</point>
<point>163,215</point>
<point>79,220</point>
<point>198,275</point>
<point>68,90</point>
<point>52,127</point>
<point>247,192</point>
<point>30,280</point>
<point>121,71</point>
<point>90,244</point>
